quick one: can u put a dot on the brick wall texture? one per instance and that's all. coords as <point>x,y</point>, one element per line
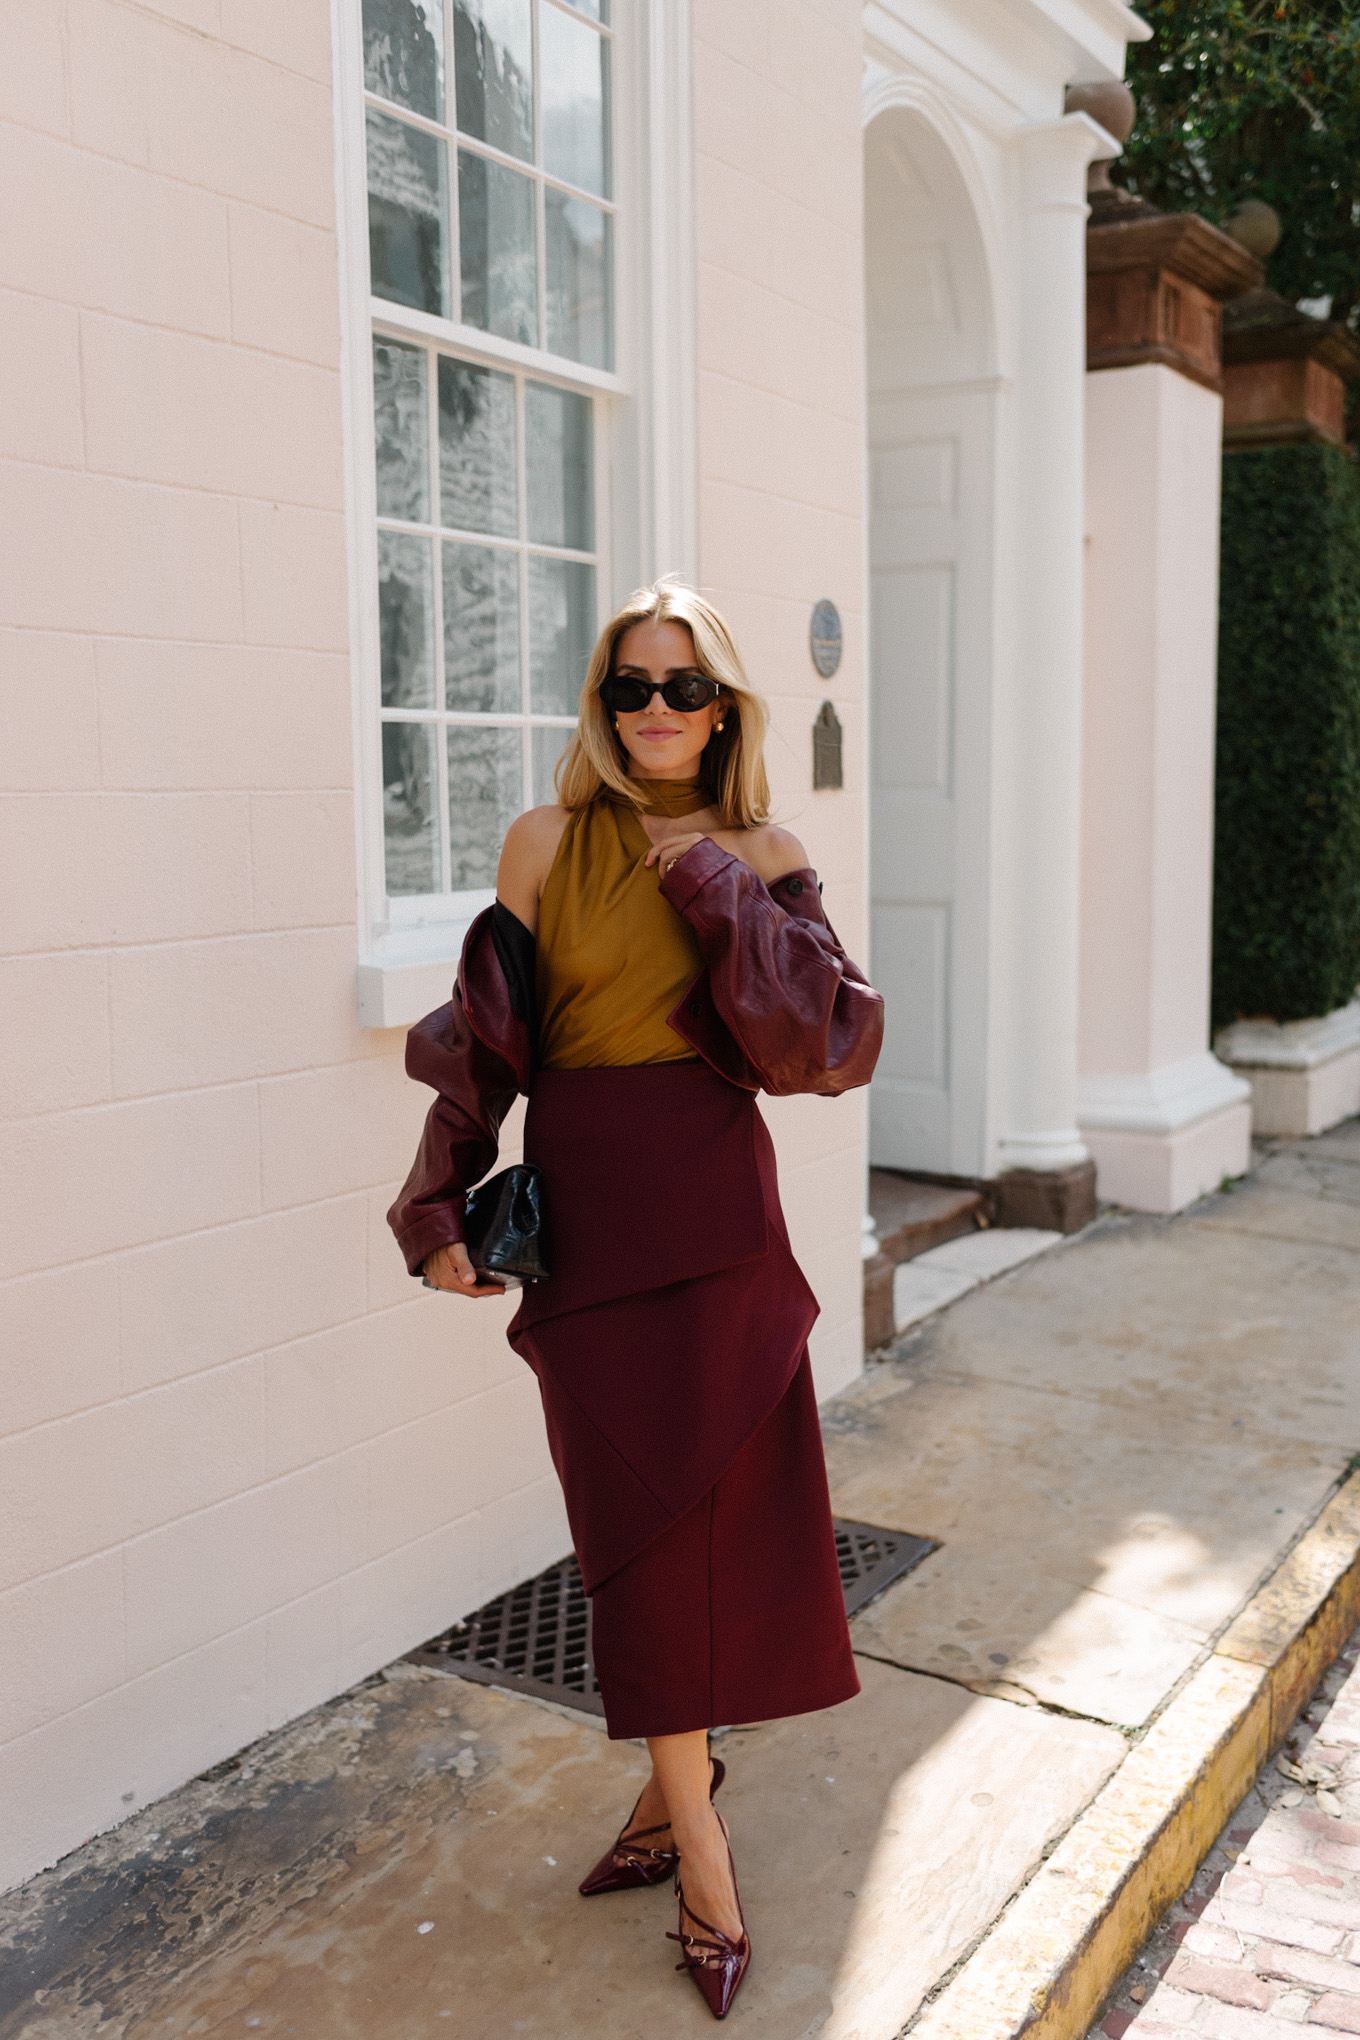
<point>779,183</point>
<point>244,1459</point>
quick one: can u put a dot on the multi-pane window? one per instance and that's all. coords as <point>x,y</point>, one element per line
<point>489,203</point>
<point>489,208</point>
<point>487,603</point>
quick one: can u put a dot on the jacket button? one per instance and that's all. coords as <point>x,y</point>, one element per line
<point>795,886</point>
<point>696,1007</point>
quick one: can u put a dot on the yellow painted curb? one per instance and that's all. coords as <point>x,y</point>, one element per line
<point>1047,1965</point>
<point>1303,1614</point>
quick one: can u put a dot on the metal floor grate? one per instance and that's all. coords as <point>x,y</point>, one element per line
<point>871,1559</point>
<point>536,1638</point>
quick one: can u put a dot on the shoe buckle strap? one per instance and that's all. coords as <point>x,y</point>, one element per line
<point>642,1859</point>
<point>725,1951</point>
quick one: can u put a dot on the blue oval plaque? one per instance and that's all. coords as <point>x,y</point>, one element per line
<point>825,638</point>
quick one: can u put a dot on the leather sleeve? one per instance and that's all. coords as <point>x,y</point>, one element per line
<point>476,1082</point>
<point>804,1017</point>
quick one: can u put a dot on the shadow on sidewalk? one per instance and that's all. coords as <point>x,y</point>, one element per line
<point>1113,1444</point>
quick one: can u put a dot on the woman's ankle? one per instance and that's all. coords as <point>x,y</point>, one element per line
<point>651,1806</point>
<point>702,1833</point>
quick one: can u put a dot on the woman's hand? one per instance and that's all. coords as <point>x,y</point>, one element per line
<point>670,850</point>
<point>449,1268</point>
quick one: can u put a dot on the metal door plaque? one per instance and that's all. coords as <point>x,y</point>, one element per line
<point>825,638</point>
<point>827,770</point>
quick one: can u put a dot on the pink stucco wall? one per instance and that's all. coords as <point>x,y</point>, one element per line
<point>243,1459</point>
<point>247,1461</point>
<point>779,235</point>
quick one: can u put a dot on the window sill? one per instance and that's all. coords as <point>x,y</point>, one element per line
<point>410,971</point>
<point>399,994</point>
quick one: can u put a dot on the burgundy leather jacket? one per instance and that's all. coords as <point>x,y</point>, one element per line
<point>778,1007</point>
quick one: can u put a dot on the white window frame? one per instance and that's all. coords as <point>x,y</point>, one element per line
<point>422,911</point>
<point>455,140</point>
<point>645,431</point>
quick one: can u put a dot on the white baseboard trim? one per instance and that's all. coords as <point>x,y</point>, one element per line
<point>1062,1149</point>
<point>1164,1172</point>
<point>1304,1074</point>
<point>1291,1044</point>
<point>1163,1101</point>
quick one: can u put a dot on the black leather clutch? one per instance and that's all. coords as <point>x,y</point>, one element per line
<point>504,1226</point>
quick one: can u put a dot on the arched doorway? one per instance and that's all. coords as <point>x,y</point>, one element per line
<point>931,430</point>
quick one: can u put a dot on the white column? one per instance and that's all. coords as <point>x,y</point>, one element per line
<point>1163,1117</point>
<point>1037,745</point>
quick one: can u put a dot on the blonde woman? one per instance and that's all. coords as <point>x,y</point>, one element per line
<point>657,955</point>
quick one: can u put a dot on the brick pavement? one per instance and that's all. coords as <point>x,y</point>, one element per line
<point>1268,1935</point>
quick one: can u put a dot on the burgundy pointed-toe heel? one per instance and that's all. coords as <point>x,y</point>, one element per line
<point>715,1961</point>
<point>630,1865</point>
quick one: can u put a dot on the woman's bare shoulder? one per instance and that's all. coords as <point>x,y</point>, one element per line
<point>526,859</point>
<point>770,851</point>
<point>538,828</point>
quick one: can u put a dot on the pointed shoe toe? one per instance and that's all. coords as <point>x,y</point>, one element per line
<point>627,1867</point>
<point>719,1978</point>
<point>714,1959</point>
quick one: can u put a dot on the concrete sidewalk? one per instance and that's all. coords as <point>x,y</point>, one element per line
<point>1114,1443</point>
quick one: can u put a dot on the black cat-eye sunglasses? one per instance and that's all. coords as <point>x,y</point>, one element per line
<point>684,692</point>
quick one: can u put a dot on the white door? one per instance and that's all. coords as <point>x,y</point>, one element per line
<point>931,425</point>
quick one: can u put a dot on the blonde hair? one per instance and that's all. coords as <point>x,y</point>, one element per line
<point>732,767</point>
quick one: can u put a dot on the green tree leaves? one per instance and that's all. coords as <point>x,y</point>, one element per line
<point>1253,99</point>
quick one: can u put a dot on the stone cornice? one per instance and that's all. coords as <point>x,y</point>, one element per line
<point>1264,327</point>
<point>1155,284</point>
<point>1180,243</point>
<point>1285,374</point>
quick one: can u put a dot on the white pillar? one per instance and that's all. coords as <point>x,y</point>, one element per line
<point>1163,1117</point>
<point>1037,743</point>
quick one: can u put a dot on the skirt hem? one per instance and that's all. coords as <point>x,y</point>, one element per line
<point>833,1698</point>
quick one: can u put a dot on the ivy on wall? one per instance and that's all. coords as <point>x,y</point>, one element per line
<point>1287,827</point>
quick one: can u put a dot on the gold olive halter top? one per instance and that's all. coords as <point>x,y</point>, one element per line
<point>614,958</point>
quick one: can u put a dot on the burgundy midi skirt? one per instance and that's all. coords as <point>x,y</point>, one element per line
<point>670,1346</point>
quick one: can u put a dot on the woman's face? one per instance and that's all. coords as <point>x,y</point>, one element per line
<point>661,742</point>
